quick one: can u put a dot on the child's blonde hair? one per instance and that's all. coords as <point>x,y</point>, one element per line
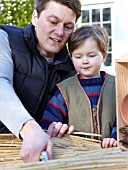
<point>99,34</point>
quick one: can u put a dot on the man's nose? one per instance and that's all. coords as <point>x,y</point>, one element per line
<point>59,29</point>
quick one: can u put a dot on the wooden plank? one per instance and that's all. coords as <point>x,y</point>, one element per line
<point>121,68</point>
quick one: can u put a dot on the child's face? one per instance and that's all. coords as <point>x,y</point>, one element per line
<point>87,59</point>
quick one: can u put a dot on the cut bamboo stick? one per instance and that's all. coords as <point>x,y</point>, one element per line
<point>86,134</point>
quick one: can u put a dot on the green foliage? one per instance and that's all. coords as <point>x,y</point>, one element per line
<point>16,12</point>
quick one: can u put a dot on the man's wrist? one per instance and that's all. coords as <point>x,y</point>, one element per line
<point>24,127</point>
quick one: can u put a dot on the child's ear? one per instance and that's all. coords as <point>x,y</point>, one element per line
<point>104,57</point>
<point>34,17</point>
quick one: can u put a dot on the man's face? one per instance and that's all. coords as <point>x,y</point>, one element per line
<point>53,28</point>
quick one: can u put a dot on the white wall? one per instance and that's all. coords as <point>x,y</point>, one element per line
<point>120,28</point>
<point>119,32</point>
<point>88,2</point>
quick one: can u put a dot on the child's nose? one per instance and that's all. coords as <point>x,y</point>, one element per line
<point>85,59</point>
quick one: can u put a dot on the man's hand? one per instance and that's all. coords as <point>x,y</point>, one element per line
<point>57,129</point>
<point>35,140</point>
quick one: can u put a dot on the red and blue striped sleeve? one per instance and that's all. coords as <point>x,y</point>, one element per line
<point>114,131</point>
<point>55,111</point>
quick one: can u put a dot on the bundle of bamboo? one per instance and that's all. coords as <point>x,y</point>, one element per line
<point>70,152</point>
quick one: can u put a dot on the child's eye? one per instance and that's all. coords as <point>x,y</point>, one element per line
<point>77,57</point>
<point>91,55</point>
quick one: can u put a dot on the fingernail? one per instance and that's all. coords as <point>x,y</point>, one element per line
<point>58,136</point>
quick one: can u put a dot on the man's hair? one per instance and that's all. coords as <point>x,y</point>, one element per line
<point>99,34</point>
<point>74,5</point>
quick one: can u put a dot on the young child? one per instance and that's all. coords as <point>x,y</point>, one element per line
<point>86,100</point>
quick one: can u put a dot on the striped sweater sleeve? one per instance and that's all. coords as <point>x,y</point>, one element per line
<point>114,132</point>
<point>55,111</point>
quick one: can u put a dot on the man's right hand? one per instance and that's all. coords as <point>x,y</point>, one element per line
<point>35,140</point>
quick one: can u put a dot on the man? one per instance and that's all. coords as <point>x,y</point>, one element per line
<point>32,61</point>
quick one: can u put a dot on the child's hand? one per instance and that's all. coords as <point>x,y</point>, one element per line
<point>57,129</point>
<point>109,142</point>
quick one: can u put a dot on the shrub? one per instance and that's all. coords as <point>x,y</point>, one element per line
<point>16,12</point>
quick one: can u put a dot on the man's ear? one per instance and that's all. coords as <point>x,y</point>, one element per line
<point>34,17</point>
<point>104,57</point>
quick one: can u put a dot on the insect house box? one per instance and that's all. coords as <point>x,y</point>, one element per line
<point>121,69</point>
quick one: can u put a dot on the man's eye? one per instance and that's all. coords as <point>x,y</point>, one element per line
<point>53,22</point>
<point>69,28</point>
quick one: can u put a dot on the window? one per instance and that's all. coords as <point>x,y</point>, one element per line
<point>95,15</point>
<point>85,16</point>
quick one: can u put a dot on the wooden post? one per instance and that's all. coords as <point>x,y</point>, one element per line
<point>121,69</point>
